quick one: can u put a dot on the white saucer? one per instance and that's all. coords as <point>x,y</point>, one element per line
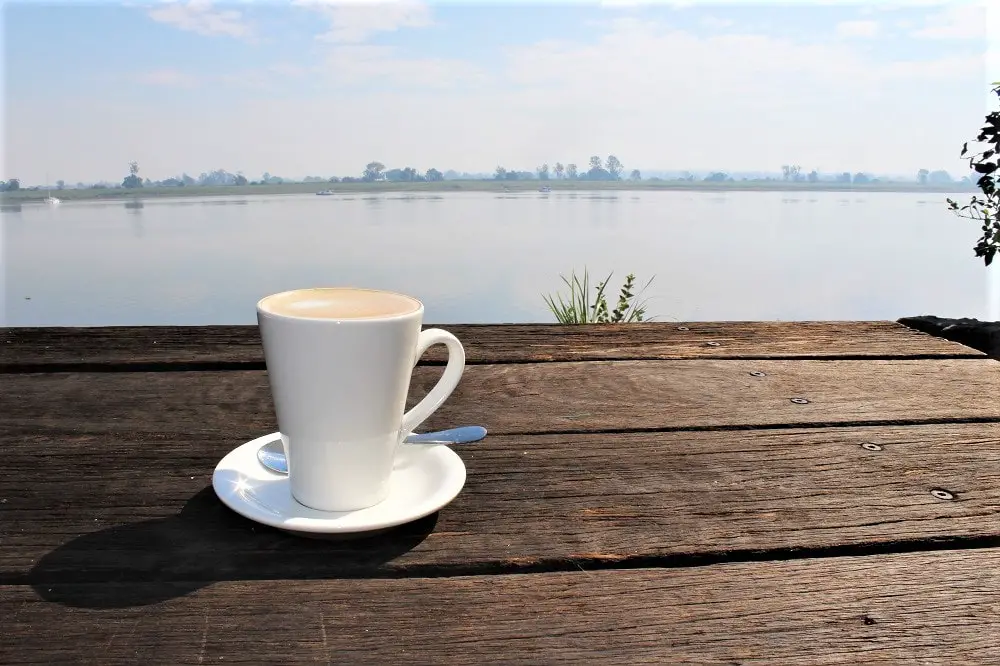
<point>425,477</point>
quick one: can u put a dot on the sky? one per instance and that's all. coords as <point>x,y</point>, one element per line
<point>312,87</point>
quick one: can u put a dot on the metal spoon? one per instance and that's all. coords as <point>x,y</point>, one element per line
<point>272,454</point>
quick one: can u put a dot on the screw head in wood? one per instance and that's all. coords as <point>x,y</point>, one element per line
<point>871,446</point>
<point>800,401</point>
<point>757,373</point>
<point>942,494</point>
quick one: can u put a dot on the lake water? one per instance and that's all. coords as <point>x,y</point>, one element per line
<point>486,257</point>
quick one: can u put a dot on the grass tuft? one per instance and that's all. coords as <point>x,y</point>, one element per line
<point>577,308</point>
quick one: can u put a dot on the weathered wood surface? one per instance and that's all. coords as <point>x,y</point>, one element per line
<point>113,546</point>
<point>103,348</point>
<point>126,507</point>
<point>900,609</point>
<point>535,397</point>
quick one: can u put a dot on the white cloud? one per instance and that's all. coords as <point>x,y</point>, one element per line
<point>252,79</point>
<point>344,65</point>
<point>247,79</point>
<point>287,70</point>
<point>200,17</point>
<point>941,68</point>
<point>353,22</point>
<point>643,56</point>
<point>362,64</point>
<point>167,77</point>
<point>863,29</point>
<point>621,4</point>
<point>966,21</point>
<point>716,23</point>
<point>677,99</point>
<point>993,50</point>
<point>350,60</point>
<point>869,8</point>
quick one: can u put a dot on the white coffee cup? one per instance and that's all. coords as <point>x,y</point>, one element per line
<point>339,362</point>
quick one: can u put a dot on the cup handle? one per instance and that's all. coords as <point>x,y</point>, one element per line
<point>449,380</point>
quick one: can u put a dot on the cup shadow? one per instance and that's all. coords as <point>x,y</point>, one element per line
<point>156,560</point>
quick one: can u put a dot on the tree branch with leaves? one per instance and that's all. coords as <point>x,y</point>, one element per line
<point>985,209</point>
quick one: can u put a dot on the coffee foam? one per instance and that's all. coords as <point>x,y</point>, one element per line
<point>339,303</point>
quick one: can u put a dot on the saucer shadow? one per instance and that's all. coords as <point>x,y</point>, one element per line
<point>155,560</point>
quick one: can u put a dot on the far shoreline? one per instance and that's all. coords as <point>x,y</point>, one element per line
<point>495,186</point>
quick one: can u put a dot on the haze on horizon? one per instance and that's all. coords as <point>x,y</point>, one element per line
<point>321,88</point>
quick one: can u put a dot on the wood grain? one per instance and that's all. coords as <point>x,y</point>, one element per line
<point>893,609</point>
<point>118,507</point>
<point>535,397</point>
<point>25,349</point>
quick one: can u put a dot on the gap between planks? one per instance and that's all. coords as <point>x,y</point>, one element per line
<point>223,366</point>
<point>543,565</point>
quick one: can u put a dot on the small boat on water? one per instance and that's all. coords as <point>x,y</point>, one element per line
<point>545,188</point>
<point>49,199</point>
<point>324,193</point>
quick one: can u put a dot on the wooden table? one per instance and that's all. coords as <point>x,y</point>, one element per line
<point>730,493</point>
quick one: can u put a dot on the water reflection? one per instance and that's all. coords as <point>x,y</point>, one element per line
<point>134,209</point>
<point>201,201</point>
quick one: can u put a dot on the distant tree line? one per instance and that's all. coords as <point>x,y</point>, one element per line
<point>608,169</point>
<point>375,171</point>
<point>936,177</point>
<point>211,179</point>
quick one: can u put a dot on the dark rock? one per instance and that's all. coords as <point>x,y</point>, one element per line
<point>981,335</point>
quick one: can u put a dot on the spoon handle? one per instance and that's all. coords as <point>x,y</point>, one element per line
<point>461,435</point>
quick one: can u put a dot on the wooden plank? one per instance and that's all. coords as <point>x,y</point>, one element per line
<point>899,609</point>
<point>537,397</point>
<point>118,507</point>
<point>134,347</point>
